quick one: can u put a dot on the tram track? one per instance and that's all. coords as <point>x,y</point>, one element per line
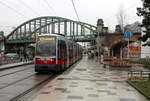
<point>25,95</point>
<point>24,84</point>
<point>22,81</point>
<point>15,72</point>
<point>32,92</point>
<point>16,81</point>
<point>19,85</point>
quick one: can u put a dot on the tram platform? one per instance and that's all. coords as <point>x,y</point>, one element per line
<point>89,81</point>
<point>12,65</point>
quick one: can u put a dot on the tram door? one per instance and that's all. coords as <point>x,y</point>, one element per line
<point>62,52</point>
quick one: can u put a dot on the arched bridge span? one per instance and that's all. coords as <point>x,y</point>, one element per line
<point>27,31</point>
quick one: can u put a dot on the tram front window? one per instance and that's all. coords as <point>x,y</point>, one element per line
<point>46,46</point>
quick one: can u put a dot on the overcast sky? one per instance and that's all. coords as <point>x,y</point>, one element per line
<point>15,12</point>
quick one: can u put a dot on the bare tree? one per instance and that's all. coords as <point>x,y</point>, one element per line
<point>121,17</point>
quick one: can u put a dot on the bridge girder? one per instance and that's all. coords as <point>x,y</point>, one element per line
<point>26,32</point>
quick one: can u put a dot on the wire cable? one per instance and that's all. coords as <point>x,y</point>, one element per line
<point>47,3</point>
<point>46,8</point>
<point>27,6</point>
<point>75,10</point>
<point>6,26</point>
<point>13,9</point>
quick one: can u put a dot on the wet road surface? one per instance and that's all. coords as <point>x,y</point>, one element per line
<point>14,82</point>
<point>89,81</point>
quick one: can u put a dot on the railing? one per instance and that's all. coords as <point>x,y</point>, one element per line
<point>118,63</point>
<point>139,75</point>
<point>4,61</point>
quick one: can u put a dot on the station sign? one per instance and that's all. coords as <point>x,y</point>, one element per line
<point>128,34</point>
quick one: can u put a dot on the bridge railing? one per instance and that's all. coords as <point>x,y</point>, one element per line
<point>139,75</point>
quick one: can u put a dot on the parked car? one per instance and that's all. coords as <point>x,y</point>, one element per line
<point>11,56</point>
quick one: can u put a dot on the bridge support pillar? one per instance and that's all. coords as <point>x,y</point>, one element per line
<point>65,28</point>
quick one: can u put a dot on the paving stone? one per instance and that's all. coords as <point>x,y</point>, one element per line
<point>75,97</point>
<point>74,82</point>
<point>113,87</point>
<point>93,95</point>
<point>111,93</point>
<point>132,90</point>
<point>125,99</point>
<point>66,91</point>
<point>89,88</point>
<point>73,86</point>
<point>89,81</point>
<point>45,92</point>
<point>103,91</point>
<point>61,89</point>
<point>81,69</point>
<point>102,84</point>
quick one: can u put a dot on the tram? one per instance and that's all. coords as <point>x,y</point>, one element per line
<point>55,53</point>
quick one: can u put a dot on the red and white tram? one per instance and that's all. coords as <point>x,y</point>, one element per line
<point>55,53</point>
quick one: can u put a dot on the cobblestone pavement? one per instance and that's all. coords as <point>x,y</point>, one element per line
<point>89,81</point>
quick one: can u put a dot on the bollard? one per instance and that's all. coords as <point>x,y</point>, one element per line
<point>148,76</point>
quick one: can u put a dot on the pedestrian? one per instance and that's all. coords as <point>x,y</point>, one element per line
<point>96,54</point>
<point>25,56</point>
<point>89,54</point>
<point>1,58</point>
<point>92,54</point>
<point>21,57</point>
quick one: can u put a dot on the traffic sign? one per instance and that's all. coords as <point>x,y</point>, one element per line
<point>128,34</point>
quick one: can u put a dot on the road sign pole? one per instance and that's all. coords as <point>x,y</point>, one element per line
<point>128,34</point>
<point>128,49</point>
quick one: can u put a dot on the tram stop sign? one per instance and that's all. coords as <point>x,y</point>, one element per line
<point>128,34</point>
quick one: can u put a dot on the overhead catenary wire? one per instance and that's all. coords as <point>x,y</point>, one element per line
<point>75,10</point>
<point>14,10</point>
<point>27,6</point>
<point>7,26</point>
<point>44,3</point>
<point>50,7</point>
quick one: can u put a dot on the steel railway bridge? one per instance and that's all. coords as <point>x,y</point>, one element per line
<point>25,34</point>
<point>74,30</point>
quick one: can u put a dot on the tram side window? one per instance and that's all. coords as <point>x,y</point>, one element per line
<point>62,53</point>
<point>70,50</point>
